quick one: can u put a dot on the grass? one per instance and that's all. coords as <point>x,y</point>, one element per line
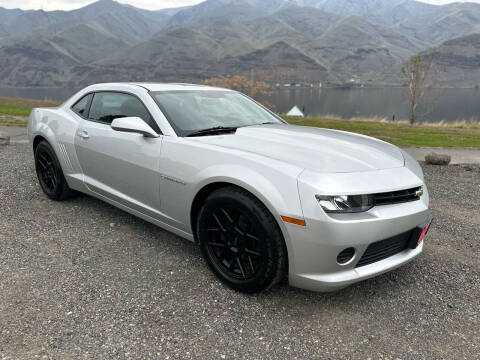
<point>22,107</point>
<point>27,103</point>
<point>459,134</point>
<point>14,112</point>
<point>12,122</point>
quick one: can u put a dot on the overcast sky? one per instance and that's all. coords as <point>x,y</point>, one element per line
<point>146,4</point>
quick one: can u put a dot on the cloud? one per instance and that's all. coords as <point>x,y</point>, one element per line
<point>74,4</point>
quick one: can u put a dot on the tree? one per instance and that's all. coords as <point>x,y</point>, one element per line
<point>257,90</point>
<point>417,73</point>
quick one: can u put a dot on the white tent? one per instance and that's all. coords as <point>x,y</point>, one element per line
<point>295,112</point>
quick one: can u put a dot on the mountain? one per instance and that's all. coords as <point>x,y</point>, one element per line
<point>333,41</point>
<point>431,23</point>
<point>35,63</point>
<point>340,40</point>
<point>457,61</point>
<point>351,7</point>
<point>122,21</point>
<point>320,42</point>
<point>7,15</point>
<point>278,62</point>
<point>221,10</point>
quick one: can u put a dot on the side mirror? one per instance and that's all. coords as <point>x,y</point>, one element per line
<point>133,125</point>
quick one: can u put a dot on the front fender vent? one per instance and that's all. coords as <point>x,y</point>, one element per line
<point>66,159</point>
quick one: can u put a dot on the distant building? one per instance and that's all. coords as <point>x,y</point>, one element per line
<point>295,112</point>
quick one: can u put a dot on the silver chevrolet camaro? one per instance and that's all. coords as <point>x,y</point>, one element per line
<point>261,197</point>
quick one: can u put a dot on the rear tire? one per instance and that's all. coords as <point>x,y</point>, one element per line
<point>241,241</point>
<point>50,174</point>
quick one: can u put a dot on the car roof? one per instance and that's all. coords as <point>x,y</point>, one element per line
<point>163,86</point>
<point>176,86</point>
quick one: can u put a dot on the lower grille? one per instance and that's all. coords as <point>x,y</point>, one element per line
<point>383,249</point>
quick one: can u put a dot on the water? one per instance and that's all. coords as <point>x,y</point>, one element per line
<point>38,93</point>
<point>438,104</point>
<point>444,104</point>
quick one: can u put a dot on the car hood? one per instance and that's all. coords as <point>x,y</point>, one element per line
<point>320,150</point>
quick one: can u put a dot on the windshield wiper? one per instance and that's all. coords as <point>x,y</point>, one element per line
<point>213,131</point>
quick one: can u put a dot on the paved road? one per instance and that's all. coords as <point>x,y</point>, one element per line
<point>81,279</point>
<point>459,156</point>
<point>17,135</point>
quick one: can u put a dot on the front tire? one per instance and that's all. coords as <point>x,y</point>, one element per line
<point>50,174</point>
<point>241,241</point>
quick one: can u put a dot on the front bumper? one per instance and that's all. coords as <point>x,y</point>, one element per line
<point>313,249</point>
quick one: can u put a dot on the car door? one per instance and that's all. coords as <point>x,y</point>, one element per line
<point>118,165</point>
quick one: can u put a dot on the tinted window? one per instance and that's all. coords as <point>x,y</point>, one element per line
<point>107,106</point>
<point>81,107</point>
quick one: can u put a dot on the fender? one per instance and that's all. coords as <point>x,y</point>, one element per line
<point>278,202</point>
<point>59,130</point>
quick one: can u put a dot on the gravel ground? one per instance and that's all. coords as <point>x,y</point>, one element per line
<point>81,279</point>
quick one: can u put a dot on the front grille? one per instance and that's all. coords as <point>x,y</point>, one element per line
<point>383,249</point>
<point>396,197</point>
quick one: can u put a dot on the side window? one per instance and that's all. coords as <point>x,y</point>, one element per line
<point>81,106</point>
<point>107,106</point>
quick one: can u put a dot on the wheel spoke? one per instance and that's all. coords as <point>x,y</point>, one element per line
<point>254,253</point>
<point>53,178</point>
<point>49,181</point>
<point>251,263</point>
<point>231,267</point>
<point>240,266</point>
<point>229,218</point>
<point>42,163</point>
<point>218,222</point>
<point>250,236</point>
<point>216,244</point>
<point>44,158</point>
<point>239,231</point>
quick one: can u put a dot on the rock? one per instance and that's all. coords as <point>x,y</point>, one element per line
<point>4,138</point>
<point>438,159</point>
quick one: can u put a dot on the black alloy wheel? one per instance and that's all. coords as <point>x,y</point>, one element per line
<point>234,244</point>
<point>241,240</point>
<point>49,173</point>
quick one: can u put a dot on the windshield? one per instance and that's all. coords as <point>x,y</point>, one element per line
<point>190,111</point>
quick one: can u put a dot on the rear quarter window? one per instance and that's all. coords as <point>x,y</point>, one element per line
<point>81,106</point>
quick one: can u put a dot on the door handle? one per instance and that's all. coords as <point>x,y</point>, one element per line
<point>83,134</point>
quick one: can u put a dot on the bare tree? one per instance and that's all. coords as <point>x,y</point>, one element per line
<point>417,73</point>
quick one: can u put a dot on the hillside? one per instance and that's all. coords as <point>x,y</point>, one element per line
<point>430,23</point>
<point>122,21</point>
<point>332,41</point>
<point>458,60</point>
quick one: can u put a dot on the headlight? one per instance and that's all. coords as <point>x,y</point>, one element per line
<point>345,203</point>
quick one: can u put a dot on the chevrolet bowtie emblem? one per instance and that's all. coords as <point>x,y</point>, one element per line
<point>419,192</point>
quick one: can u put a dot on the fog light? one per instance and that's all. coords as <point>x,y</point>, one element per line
<point>345,256</point>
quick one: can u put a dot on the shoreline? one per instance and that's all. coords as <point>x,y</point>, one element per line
<point>14,112</point>
<point>21,107</point>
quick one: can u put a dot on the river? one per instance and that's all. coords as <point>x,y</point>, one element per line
<point>444,104</point>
